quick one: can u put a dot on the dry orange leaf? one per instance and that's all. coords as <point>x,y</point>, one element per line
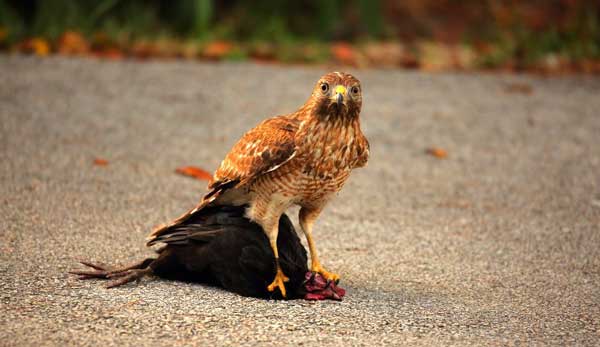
<point>343,53</point>
<point>217,49</point>
<point>110,53</point>
<point>36,45</point>
<point>100,162</point>
<point>437,152</point>
<point>72,43</point>
<point>3,34</point>
<point>194,172</point>
<point>142,49</point>
<point>384,53</point>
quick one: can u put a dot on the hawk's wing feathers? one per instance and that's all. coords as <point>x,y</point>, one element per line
<point>263,149</point>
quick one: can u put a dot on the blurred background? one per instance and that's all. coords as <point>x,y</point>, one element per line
<point>547,36</point>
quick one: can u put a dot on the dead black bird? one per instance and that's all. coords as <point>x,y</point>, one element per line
<point>220,246</point>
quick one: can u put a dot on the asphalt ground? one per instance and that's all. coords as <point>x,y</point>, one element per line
<point>496,244</point>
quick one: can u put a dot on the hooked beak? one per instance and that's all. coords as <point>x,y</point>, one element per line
<point>340,92</point>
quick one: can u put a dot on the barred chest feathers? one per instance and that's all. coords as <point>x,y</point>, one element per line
<point>331,149</point>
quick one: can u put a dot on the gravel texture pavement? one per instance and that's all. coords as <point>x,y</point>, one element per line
<point>499,243</point>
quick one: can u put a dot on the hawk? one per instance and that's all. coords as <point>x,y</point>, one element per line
<point>302,158</point>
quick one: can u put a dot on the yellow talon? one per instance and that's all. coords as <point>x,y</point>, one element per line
<point>279,281</point>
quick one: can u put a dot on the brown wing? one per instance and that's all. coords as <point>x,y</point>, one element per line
<point>362,152</point>
<point>262,149</point>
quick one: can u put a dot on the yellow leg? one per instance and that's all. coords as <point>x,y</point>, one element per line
<point>266,211</point>
<point>280,278</point>
<point>307,218</point>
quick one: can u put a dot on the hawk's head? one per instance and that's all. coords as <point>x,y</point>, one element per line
<point>338,94</point>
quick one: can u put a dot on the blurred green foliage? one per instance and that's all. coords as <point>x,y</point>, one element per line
<point>523,32</point>
<point>278,21</point>
<point>566,29</point>
<point>50,18</point>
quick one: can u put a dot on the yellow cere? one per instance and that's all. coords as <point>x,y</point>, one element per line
<point>340,90</point>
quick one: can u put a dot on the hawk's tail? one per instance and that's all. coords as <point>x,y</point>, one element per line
<point>160,232</point>
<point>203,225</point>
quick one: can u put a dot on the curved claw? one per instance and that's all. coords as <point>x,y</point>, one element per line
<point>330,276</point>
<point>100,270</point>
<point>121,275</point>
<point>97,266</point>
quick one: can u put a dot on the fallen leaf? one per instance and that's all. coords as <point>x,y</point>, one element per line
<point>263,51</point>
<point>434,56</point>
<point>437,152</point>
<point>409,60</point>
<point>73,43</point>
<point>217,49</point>
<point>100,41</point>
<point>195,172</point>
<point>142,49</point>
<point>110,54</point>
<point>343,53</point>
<point>165,48</point>
<point>521,88</point>
<point>388,54</point>
<point>100,162</point>
<point>188,50</point>
<point>36,45</point>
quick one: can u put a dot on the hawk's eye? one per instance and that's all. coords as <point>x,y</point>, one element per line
<point>354,90</point>
<point>324,87</point>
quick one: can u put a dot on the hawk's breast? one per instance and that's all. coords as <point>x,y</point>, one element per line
<point>326,153</point>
